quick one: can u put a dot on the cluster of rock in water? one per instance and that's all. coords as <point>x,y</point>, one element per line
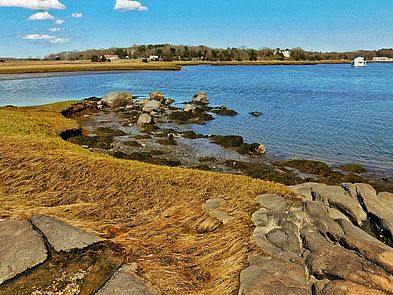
<point>149,118</point>
<point>48,256</point>
<point>331,240</point>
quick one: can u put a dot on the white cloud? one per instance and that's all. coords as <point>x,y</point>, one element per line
<point>59,22</point>
<point>129,5</point>
<point>77,14</point>
<point>50,39</point>
<point>41,16</point>
<point>33,4</point>
<point>54,29</point>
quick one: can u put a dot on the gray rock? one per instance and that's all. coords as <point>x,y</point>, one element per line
<point>212,207</point>
<point>145,119</point>
<point>21,248</point>
<point>151,105</point>
<point>117,99</point>
<point>200,98</point>
<point>62,236</point>
<point>126,282</point>
<point>268,275</point>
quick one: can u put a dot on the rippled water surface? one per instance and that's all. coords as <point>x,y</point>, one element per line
<point>329,112</point>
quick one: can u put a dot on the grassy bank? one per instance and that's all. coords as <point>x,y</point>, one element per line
<point>154,212</point>
<point>22,67</point>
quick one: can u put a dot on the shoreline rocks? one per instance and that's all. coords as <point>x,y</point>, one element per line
<point>316,243</point>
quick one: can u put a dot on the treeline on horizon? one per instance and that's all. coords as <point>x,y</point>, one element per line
<point>168,52</point>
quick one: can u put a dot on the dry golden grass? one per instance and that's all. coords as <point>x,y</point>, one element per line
<point>154,212</point>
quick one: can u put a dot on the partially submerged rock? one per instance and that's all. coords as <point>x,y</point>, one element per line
<point>256,114</point>
<point>200,98</point>
<point>223,111</point>
<point>158,96</point>
<point>116,99</point>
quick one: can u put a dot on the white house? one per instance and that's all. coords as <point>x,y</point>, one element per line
<point>154,58</point>
<point>382,59</point>
<point>111,57</point>
<point>359,62</point>
<point>286,53</point>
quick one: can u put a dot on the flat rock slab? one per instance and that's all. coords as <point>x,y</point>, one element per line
<point>62,236</point>
<point>126,282</point>
<point>21,248</point>
<point>213,208</point>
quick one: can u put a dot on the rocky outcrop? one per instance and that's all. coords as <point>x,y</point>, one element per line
<point>117,99</point>
<point>322,243</point>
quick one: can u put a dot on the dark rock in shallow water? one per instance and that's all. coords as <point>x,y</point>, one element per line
<point>224,112</point>
<point>227,140</point>
<point>195,116</point>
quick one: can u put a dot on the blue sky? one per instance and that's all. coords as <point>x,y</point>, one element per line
<point>311,24</point>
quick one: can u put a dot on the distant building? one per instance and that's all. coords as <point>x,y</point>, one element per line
<point>111,57</point>
<point>359,62</point>
<point>154,58</point>
<point>382,59</point>
<point>286,53</point>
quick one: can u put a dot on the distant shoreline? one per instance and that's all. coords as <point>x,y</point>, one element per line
<point>30,67</point>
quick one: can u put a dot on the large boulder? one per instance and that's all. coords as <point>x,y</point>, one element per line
<point>200,98</point>
<point>151,105</point>
<point>155,95</point>
<point>117,99</point>
<point>145,119</point>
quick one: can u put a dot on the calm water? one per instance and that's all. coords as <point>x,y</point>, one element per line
<point>328,112</point>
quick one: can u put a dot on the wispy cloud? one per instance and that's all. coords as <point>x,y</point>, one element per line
<point>54,29</point>
<point>76,15</point>
<point>59,22</point>
<point>41,16</point>
<point>48,38</point>
<point>33,4</point>
<point>123,5</point>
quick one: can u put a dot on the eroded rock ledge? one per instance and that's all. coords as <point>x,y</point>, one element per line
<point>332,240</point>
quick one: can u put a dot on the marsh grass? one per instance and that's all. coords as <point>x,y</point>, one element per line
<point>154,212</point>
